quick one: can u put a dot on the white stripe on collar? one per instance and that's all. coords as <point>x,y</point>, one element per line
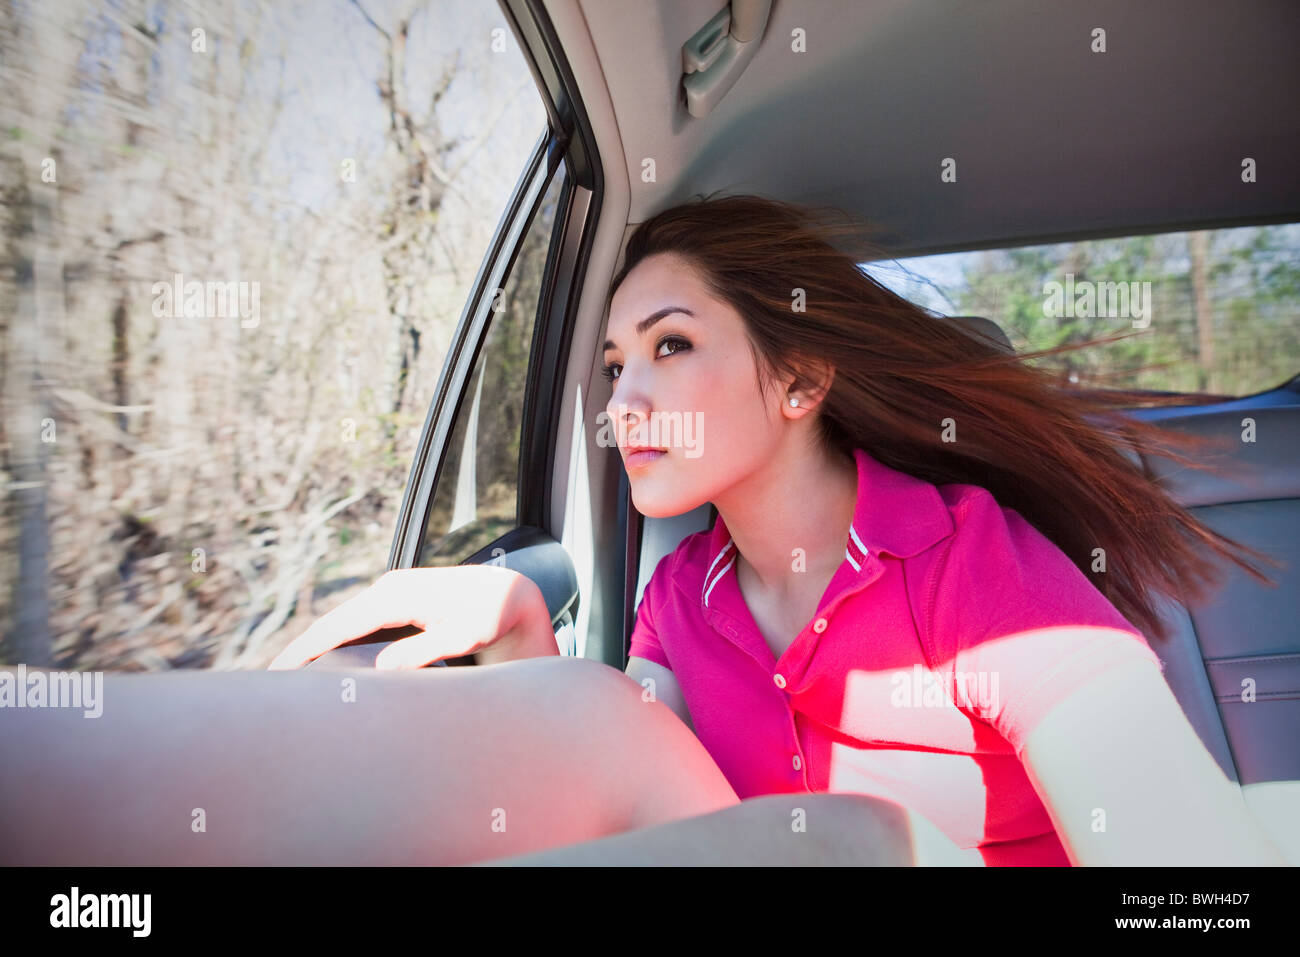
<point>718,558</point>
<point>717,579</point>
<point>853,533</point>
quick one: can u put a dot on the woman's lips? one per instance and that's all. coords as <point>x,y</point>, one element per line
<point>643,457</point>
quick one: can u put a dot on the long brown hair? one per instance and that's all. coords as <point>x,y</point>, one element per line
<point>1055,455</point>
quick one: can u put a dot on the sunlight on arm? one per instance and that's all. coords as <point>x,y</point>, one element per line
<point>1127,781</point>
<point>933,848</point>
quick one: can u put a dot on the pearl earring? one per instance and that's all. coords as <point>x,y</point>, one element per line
<point>794,401</point>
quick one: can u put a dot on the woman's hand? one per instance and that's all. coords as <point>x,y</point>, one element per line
<point>493,612</point>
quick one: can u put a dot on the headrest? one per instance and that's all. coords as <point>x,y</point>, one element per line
<point>987,327</point>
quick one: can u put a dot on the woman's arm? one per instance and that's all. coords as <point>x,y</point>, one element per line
<point>1127,781</point>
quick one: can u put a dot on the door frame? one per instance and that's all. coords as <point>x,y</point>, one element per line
<point>568,139</point>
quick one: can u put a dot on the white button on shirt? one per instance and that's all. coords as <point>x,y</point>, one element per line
<point>819,625</point>
<point>780,680</point>
<point>797,763</point>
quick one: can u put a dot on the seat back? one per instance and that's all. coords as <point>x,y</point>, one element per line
<point>1233,659</point>
<point>986,328</point>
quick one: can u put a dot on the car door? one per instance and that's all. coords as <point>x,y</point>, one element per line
<point>472,490</point>
<point>479,484</point>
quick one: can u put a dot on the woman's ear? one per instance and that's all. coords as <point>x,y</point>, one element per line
<point>806,390</point>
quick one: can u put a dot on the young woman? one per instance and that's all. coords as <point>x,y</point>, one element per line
<point>931,576</point>
<point>897,644</point>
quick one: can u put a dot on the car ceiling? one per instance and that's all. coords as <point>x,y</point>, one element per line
<point>1050,139</point>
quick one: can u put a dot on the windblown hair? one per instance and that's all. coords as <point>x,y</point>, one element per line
<point>1066,459</point>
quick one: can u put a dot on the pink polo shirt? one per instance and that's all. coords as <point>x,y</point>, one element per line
<point>912,682</point>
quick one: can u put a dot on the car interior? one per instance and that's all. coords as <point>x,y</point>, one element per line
<point>856,105</point>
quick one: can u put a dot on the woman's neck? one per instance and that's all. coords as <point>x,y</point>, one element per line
<point>802,500</point>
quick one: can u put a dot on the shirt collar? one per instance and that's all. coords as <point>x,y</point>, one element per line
<point>896,513</point>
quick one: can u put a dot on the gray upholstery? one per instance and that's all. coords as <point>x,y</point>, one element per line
<point>1262,470</point>
<point>1243,629</point>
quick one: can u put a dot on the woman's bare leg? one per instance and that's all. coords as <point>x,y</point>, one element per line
<point>441,766</point>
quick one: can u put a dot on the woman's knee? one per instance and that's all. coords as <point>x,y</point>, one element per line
<point>654,768</point>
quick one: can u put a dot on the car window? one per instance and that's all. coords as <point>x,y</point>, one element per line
<point>242,245</point>
<point>477,497</point>
<point>1209,311</point>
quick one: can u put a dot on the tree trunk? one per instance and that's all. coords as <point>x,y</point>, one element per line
<point>29,425</point>
<point>1199,247</point>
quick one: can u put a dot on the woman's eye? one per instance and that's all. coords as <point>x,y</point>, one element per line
<point>668,346</point>
<point>677,342</point>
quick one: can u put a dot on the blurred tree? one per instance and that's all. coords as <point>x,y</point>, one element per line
<point>206,465</point>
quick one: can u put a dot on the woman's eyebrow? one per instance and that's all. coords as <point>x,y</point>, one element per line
<point>650,320</point>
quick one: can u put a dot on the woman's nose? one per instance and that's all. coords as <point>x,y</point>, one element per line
<point>626,413</point>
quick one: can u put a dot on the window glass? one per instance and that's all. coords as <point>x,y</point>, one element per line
<point>477,498</point>
<point>1211,311</point>
<point>241,237</point>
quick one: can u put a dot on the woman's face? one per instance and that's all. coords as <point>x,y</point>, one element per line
<point>685,388</point>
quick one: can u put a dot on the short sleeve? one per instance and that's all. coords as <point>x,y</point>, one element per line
<point>999,581</point>
<point>645,635</point>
